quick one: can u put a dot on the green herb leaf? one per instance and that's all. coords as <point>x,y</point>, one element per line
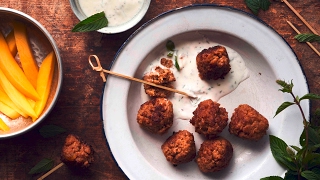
<point>282,107</point>
<point>286,87</point>
<point>310,175</point>
<point>279,152</point>
<point>170,54</point>
<point>43,166</point>
<point>170,45</point>
<point>176,64</point>
<point>307,37</point>
<point>272,178</point>
<point>310,96</point>
<point>256,5</point>
<point>48,131</point>
<point>92,23</point>
<point>314,137</point>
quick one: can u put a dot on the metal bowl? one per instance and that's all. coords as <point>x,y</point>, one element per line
<point>77,10</point>
<point>42,43</point>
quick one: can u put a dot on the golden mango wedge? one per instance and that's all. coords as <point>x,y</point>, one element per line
<point>44,82</point>
<point>3,126</point>
<point>6,110</point>
<point>4,98</point>
<point>12,43</point>
<point>18,98</point>
<point>29,64</point>
<point>14,73</point>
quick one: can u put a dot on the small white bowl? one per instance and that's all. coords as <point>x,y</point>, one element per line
<point>77,10</point>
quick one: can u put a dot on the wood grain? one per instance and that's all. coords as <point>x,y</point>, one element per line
<point>78,107</point>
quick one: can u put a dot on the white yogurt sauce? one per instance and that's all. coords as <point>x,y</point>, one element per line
<point>188,80</point>
<point>118,12</point>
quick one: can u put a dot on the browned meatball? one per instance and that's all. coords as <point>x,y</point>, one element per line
<point>76,152</point>
<point>162,77</point>
<point>156,115</point>
<point>248,123</point>
<point>213,63</point>
<point>209,118</point>
<point>214,155</point>
<point>179,148</point>
<point>166,62</point>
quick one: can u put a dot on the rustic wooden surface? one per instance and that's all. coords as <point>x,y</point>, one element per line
<point>78,107</point>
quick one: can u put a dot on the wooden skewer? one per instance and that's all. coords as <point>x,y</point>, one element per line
<point>298,32</point>
<point>51,171</point>
<point>300,17</point>
<point>101,70</point>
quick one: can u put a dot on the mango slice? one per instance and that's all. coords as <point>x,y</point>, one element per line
<point>12,43</point>
<point>27,60</point>
<point>4,98</point>
<point>3,126</point>
<point>14,73</point>
<point>44,82</point>
<point>19,99</point>
<point>6,110</point>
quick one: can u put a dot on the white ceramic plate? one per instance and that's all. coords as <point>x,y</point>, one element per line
<point>268,58</point>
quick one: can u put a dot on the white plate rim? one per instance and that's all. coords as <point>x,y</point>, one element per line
<point>137,172</point>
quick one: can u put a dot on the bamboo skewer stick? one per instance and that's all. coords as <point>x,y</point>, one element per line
<point>298,32</point>
<point>300,17</point>
<point>51,171</point>
<point>102,71</point>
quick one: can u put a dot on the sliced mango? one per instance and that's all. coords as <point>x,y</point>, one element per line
<point>7,101</point>
<point>29,64</point>
<point>6,110</point>
<point>18,98</point>
<point>4,126</point>
<point>14,73</point>
<point>12,43</point>
<point>44,82</point>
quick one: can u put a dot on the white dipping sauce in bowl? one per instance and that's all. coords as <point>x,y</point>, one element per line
<point>118,12</point>
<point>188,80</point>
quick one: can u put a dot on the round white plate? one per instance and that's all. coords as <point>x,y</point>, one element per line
<point>268,58</point>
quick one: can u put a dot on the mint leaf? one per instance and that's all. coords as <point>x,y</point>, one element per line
<point>310,175</point>
<point>282,107</point>
<point>286,87</point>
<point>170,45</point>
<point>256,5</point>
<point>279,152</point>
<point>310,96</point>
<point>272,178</point>
<point>48,131</point>
<point>176,64</point>
<point>307,37</point>
<point>92,23</point>
<point>43,166</point>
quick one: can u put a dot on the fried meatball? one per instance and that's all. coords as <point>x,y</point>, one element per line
<point>76,153</point>
<point>179,148</point>
<point>209,118</point>
<point>156,115</point>
<point>159,76</point>
<point>166,62</point>
<point>213,63</point>
<point>248,123</point>
<point>214,155</point>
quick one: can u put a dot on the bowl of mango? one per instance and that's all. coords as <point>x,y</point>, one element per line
<point>30,73</point>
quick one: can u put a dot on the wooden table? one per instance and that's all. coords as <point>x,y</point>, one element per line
<point>78,107</point>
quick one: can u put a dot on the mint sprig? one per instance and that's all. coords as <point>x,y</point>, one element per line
<point>307,37</point>
<point>256,5</point>
<point>301,162</point>
<point>92,23</point>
